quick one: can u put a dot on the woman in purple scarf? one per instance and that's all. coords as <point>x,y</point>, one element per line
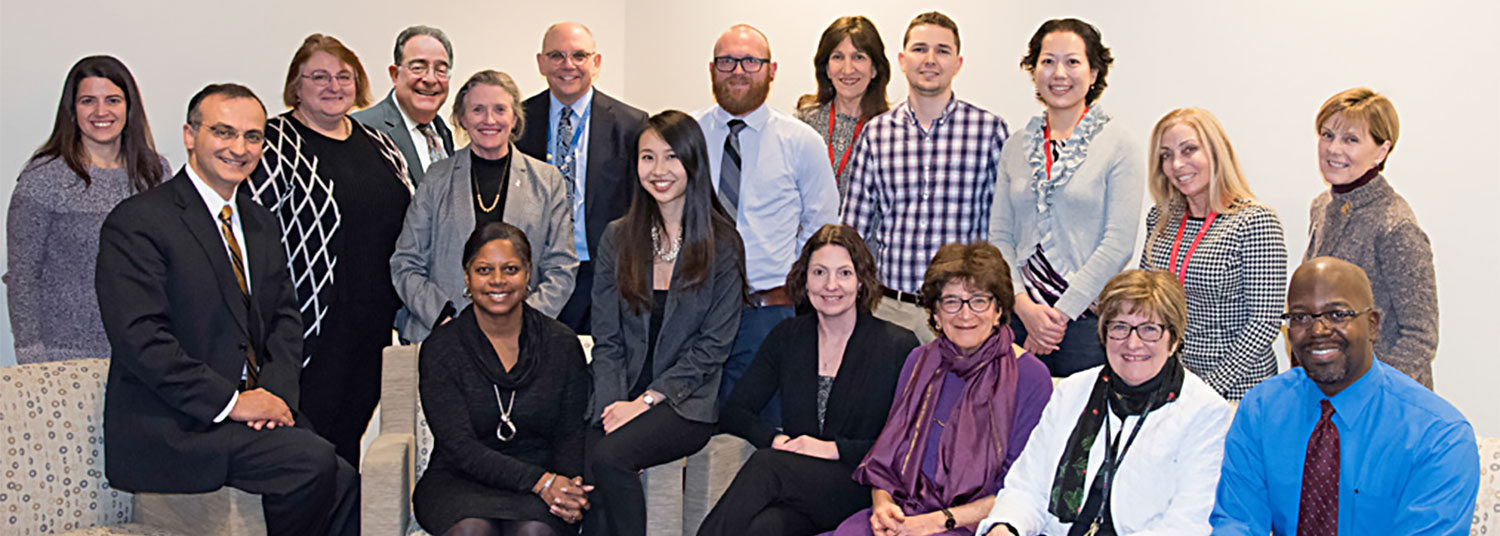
<point>965,405</point>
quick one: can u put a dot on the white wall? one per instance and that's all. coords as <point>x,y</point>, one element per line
<point>1263,68</point>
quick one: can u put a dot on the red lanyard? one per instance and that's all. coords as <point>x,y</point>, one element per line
<point>847,150</point>
<point>1177,243</point>
<point>1047,138</point>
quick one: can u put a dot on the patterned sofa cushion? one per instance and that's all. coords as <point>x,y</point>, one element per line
<point>51,435</point>
<point>1487,505</point>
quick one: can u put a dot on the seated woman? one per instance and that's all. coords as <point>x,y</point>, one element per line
<point>965,405</point>
<point>1162,419</point>
<point>836,372</point>
<point>501,365</point>
<point>668,289</point>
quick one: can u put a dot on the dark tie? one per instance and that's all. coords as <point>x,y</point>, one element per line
<point>226,216</point>
<point>729,169</point>
<point>434,148</point>
<point>563,153</point>
<point>1319,513</point>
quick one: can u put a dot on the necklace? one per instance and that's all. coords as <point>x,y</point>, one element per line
<point>506,430</point>
<point>480,198</point>
<point>669,255</point>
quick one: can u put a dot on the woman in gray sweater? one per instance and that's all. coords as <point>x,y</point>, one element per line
<point>99,153</point>
<point>1363,220</point>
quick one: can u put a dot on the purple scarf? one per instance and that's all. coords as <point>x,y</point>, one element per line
<point>971,451</point>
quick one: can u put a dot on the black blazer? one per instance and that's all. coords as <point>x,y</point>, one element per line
<point>613,128</point>
<point>697,332</point>
<point>385,116</point>
<point>178,329</point>
<point>788,362</point>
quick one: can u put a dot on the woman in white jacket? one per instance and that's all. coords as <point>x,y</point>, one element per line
<point>1140,423</point>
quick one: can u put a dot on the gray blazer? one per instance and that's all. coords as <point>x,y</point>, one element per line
<point>697,331</point>
<point>427,267</point>
<point>386,117</point>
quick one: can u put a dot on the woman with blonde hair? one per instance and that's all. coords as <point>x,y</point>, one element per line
<point>1225,248</point>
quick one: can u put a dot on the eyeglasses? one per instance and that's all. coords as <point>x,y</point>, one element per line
<point>1336,318</point>
<point>557,57</point>
<point>322,78</point>
<point>978,304</point>
<point>420,68</point>
<point>726,64</point>
<point>1148,332</point>
<point>228,134</point>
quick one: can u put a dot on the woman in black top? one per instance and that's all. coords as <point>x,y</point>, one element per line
<point>667,296</point>
<point>836,371</point>
<point>504,389</point>
<point>339,189</point>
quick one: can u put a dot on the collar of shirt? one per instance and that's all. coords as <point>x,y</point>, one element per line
<point>1350,404</point>
<point>554,111</point>
<point>911,114</point>
<point>411,124</point>
<point>211,198</point>
<point>755,120</point>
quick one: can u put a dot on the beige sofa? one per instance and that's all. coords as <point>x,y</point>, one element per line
<point>52,430</point>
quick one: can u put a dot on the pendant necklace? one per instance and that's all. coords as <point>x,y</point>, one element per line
<point>669,255</point>
<point>506,430</point>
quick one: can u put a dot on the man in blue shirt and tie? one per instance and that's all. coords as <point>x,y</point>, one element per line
<point>1345,444</point>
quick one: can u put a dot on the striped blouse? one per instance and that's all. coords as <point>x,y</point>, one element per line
<point>1236,289</point>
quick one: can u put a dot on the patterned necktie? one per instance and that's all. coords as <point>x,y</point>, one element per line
<point>1319,512</point>
<point>729,168</point>
<point>434,147</point>
<point>563,153</point>
<point>226,217</point>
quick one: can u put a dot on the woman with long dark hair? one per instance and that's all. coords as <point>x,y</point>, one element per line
<point>852,72</point>
<point>99,153</point>
<point>669,287</point>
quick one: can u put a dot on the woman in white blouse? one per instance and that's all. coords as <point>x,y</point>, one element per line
<point>1141,423</point>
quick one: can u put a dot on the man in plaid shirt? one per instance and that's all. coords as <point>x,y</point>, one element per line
<point>923,173</point>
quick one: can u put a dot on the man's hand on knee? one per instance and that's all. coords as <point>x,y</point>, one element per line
<point>259,408</point>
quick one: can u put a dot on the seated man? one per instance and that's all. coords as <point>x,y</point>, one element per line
<point>206,338</point>
<point>1345,444</point>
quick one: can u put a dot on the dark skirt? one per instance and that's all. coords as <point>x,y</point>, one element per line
<point>443,498</point>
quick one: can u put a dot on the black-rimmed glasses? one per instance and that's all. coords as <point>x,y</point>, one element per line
<point>1148,332</point>
<point>954,304</point>
<point>750,64</point>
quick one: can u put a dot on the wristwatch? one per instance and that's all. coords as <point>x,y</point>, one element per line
<point>950,524</point>
<point>649,400</point>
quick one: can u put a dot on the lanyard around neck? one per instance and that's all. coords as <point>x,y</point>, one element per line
<point>847,150</point>
<point>1177,243</point>
<point>1047,137</point>
<point>578,128</point>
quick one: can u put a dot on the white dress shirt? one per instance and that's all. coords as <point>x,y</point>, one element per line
<point>1166,480</point>
<point>419,140</point>
<point>787,190</point>
<point>214,203</point>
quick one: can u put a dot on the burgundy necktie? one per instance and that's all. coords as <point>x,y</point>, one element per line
<point>1319,513</point>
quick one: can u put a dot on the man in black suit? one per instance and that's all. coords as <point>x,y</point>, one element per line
<point>409,114</point>
<point>598,135</point>
<point>206,338</point>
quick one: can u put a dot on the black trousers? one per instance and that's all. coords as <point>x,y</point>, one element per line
<point>1079,350</point>
<point>788,494</point>
<point>575,313</point>
<point>341,385</point>
<point>305,488</point>
<point>615,461</point>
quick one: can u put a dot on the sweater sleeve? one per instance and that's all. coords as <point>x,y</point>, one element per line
<point>27,226</point>
<point>1406,276</point>
<point>1263,257</point>
<point>741,413</point>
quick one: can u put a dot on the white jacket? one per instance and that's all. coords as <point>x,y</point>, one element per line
<point>1166,481</point>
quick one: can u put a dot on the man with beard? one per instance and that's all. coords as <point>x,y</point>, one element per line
<point>923,175</point>
<point>770,171</point>
<point>409,115</point>
<point>1345,444</point>
<point>588,136</point>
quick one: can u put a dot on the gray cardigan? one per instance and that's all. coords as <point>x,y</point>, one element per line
<point>697,331</point>
<point>1095,215</point>
<point>1374,228</point>
<point>427,267</point>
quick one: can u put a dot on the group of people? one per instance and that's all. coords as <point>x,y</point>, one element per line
<point>945,271</point>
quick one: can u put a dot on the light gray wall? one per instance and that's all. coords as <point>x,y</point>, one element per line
<point>1263,68</point>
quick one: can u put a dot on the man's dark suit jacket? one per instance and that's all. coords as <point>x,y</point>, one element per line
<point>178,329</point>
<point>385,116</point>
<point>613,127</point>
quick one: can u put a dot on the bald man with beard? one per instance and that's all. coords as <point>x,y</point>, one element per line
<point>1344,444</point>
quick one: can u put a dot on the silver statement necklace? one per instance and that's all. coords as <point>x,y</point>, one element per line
<point>668,255</point>
<point>506,430</point>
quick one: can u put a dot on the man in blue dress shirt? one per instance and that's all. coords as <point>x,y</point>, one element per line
<point>1345,444</point>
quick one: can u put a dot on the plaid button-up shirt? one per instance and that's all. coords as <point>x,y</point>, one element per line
<point>913,190</point>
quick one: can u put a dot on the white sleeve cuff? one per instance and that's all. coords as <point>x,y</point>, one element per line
<point>225,414</point>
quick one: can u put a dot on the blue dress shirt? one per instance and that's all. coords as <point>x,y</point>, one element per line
<point>1409,463</point>
<point>580,161</point>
